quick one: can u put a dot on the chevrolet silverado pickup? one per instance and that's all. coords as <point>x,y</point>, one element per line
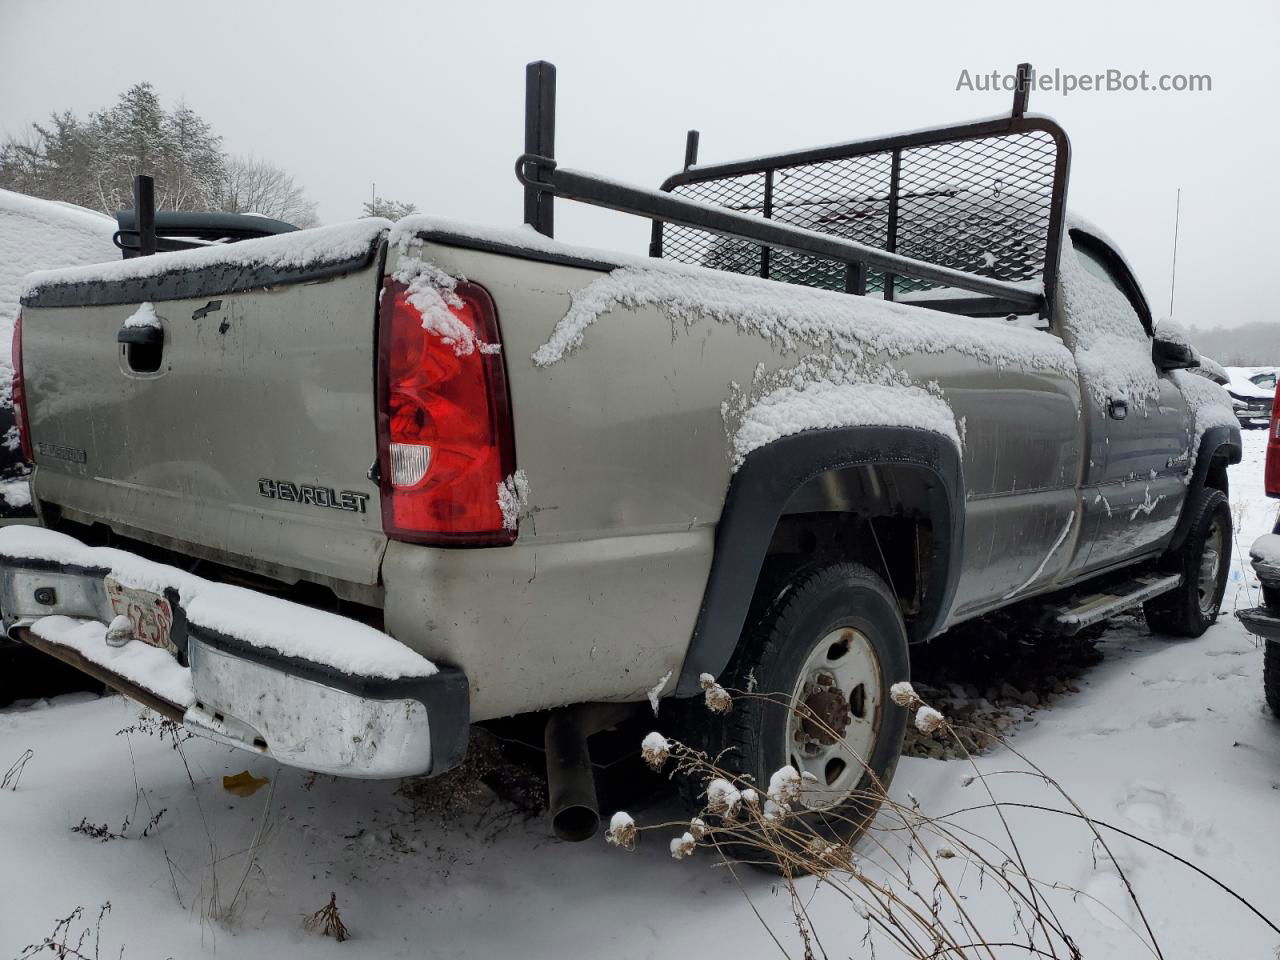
<point>337,495</point>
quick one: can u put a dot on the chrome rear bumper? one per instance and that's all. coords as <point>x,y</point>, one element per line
<point>300,710</point>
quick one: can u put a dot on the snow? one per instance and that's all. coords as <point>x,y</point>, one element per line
<point>301,248</point>
<point>784,786</point>
<point>903,694</point>
<point>1211,369</point>
<point>1210,406</point>
<point>787,315</point>
<point>1168,738</point>
<point>16,493</point>
<point>1111,347</point>
<point>655,692</point>
<point>143,317</point>
<point>39,234</point>
<point>845,376</point>
<point>149,667</point>
<point>723,798</point>
<point>821,404</point>
<point>682,846</point>
<point>256,618</point>
<point>655,748</point>
<point>513,498</point>
<point>622,830</point>
<point>790,316</point>
<point>1266,549</point>
<point>434,294</point>
<point>929,720</point>
<point>1239,382</point>
<point>1173,332</point>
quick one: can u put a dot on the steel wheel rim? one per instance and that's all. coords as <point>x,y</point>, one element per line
<point>1210,564</point>
<point>842,670</point>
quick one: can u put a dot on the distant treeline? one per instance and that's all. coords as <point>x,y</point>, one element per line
<point>1254,344</point>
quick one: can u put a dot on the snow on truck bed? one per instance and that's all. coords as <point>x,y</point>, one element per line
<point>843,382</point>
<point>258,619</point>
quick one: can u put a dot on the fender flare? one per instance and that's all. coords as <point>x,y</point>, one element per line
<point>1215,441</point>
<point>760,490</point>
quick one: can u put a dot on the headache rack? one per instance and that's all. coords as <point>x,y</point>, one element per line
<point>966,218</point>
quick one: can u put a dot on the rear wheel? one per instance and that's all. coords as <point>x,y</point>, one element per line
<point>1271,674</point>
<point>1204,560</point>
<point>820,659</point>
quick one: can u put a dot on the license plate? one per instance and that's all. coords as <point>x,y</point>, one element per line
<point>150,614</point>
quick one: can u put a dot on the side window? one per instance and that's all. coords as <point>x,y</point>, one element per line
<point>1102,263</point>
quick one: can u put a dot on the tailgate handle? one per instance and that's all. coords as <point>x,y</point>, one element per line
<point>150,336</point>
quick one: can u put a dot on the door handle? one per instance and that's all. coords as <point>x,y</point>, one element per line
<point>151,336</point>
<point>1118,408</point>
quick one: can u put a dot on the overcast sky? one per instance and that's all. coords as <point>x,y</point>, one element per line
<point>425,99</point>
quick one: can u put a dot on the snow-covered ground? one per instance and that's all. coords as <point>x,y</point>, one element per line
<point>1168,739</point>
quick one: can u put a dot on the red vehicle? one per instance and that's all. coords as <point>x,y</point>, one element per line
<point>1264,621</point>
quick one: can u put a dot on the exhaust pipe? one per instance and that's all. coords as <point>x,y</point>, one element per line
<point>571,784</point>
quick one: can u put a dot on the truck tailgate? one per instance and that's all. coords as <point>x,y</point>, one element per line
<point>253,437</point>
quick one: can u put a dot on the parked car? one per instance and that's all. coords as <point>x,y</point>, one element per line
<point>317,496</point>
<point>1253,389</point>
<point>1264,620</point>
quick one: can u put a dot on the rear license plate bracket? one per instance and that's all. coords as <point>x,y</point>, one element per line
<point>150,614</point>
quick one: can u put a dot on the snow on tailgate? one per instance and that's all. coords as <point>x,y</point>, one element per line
<point>332,244</point>
<point>258,619</point>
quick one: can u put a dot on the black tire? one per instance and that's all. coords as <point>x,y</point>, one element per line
<point>1271,675</point>
<point>751,740</point>
<point>1186,611</point>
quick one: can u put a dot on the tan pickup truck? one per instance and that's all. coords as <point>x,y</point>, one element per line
<point>337,495</point>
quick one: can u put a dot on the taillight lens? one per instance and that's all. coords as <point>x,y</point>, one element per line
<point>1273,450</point>
<point>20,393</point>
<point>445,441</point>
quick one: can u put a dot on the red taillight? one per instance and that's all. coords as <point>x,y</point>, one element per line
<point>1273,450</point>
<point>20,393</point>
<point>445,442</point>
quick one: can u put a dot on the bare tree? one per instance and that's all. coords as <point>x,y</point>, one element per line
<point>92,162</point>
<point>256,186</point>
<point>391,209</point>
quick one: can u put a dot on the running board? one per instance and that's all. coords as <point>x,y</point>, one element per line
<point>1084,610</point>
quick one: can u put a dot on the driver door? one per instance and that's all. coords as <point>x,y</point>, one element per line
<point>1134,488</point>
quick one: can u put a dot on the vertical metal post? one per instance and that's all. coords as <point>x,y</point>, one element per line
<point>144,214</point>
<point>855,279</point>
<point>690,148</point>
<point>891,240</point>
<point>1021,90</point>
<point>765,252</point>
<point>539,139</point>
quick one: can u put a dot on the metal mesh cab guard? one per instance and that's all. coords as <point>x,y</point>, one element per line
<point>966,218</point>
<point>985,198</point>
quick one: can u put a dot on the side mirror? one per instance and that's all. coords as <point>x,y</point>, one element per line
<point>1169,354</point>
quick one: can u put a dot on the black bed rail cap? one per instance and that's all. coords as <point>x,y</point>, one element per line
<point>181,230</point>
